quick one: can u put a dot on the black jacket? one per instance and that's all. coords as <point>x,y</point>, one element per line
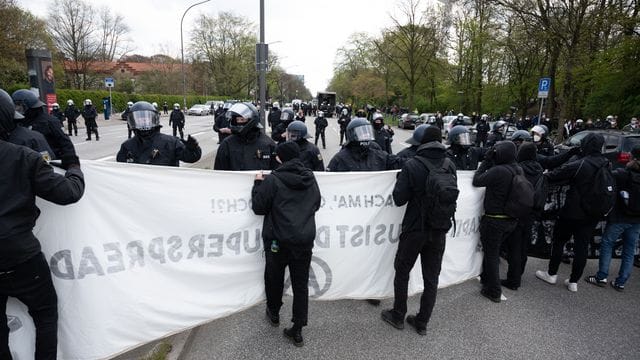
<point>24,176</point>
<point>545,147</point>
<point>221,122</point>
<point>274,117</point>
<point>310,155</point>
<point>159,149</point>
<point>384,138</point>
<point>288,199</point>
<point>409,188</point>
<point>31,139</point>
<point>495,174</point>
<point>176,118</point>
<point>493,138</point>
<point>465,158</point>
<point>354,158</point>
<point>527,159</point>
<point>253,152</point>
<point>52,131</point>
<point>578,174</point>
<point>623,182</point>
<point>321,123</point>
<point>71,113</point>
<point>408,152</point>
<point>89,113</point>
<point>279,130</point>
<point>58,114</point>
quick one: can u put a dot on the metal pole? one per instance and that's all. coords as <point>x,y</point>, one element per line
<point>262,70</point>
<point>184,77</point>
<point>540,112</point>
<point>110,102</point>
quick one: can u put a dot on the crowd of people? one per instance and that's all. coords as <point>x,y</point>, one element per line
<point>515,169</point>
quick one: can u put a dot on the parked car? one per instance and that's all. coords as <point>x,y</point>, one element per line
<point>617,145</point>
<point>213,105</point>
<point>424,118</point>
<point>199,109</point>
<point>408,121</point>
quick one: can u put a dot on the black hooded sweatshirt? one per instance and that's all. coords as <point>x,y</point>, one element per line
<point>578,174</point>
<point>288,199</point>
<point>496,173</point>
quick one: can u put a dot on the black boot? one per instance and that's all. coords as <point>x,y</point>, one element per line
<point>393,319</point>
<point>294,333</point>
<point>274,318</point>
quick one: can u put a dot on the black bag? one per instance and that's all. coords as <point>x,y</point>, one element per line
<point>598,198</point>
<point>632,204</point>
<point>440,196</point>
<point>520,197</point>
<point>540,193</point>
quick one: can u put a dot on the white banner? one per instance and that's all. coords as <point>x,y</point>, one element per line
<point>151,251</point>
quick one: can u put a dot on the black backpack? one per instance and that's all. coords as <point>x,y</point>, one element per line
<point>521,195</point>
<point>440,195</point>
<point>632,204</point>
<point>599,195</point>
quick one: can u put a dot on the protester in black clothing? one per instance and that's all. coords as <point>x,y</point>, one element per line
<point>72,113</point>
<point>416,238</point>
<point>495,174</point>
<point>321,125</point>
<point>573,219</point>
<point>288,199</point>
<point>279,133</point>
<point>343,122</point>
<point>177,120</point>
<point>309,153</point>
<point>89,113</point>
<point>482,129</point>
<point>415,141</point>
<point>36,118</point>
<point>24,271</point>
<point>384,136</point>
<point>247,148</point>
<point>151,147</point>
<point>461,152</point>
<point>359,154</point>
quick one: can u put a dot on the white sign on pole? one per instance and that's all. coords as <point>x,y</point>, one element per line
<point>109,82</point>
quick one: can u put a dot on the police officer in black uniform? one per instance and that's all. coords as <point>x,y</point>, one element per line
<point>359,154</point>
<point>274,115</point>
<point>384,136</point>
<point>482,129</point>
<point>57,113</point>
<point>343,122</point>
<point>125,117</point>
<point>24,271</point>
<point>149,146</point>
<point>221,124</point>
<point>247,148</point>
<point>541,139</point>
<point>309,153</point>
<point>321,124</point>
<point>35,118</point>
<point>497,134</point>
<point>461,152</point>
<point>459,120</point>
<point>278,134</point>
<point>72,113</point>
<point>177,120</point>
<point>89,113</point>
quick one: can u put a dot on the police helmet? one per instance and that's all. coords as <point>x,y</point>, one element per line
<point>540,130</point>
<point>609,118</point>
<point>484,117</point>
<point>143,116</point>
<point>287,115</point>
<point>499,125</point>
<point>155,105</point>
<point>88,102</point>
<point>418,134</point>
<point>55,106</point>
<point>520,136</point>
<point>244,110</point>
<point>345,111</point>
<point>460,115</point>
<point>297,130</point>
<point>276,105</point>
<point>459,135</point>
<point>377,116</point>
<point>432,120</point>
<point>360,130</point>
<point>70,102</point>
<point>129,104</point>
<point>320,113</point>
<point>25,100</point>
<point>176,106</point>
<point>545,128</point>
<point>8,113</point>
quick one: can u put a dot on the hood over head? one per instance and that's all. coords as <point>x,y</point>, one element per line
<point>592,144</point>
<point>505,152</point>
<point>294,174</point>
<point>527,151</point>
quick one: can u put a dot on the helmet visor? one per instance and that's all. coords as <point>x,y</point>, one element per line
<point>285,116</point>
<point>363,133</point>
<point>241,110</point>
<point>144,119</point>
<point>464,139</point>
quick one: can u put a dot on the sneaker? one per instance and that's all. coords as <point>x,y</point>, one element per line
<point>571,286</point>
<point>274,319</point>
<point>616,286</point>
<point>374,302</point>
<point>595,281</point>
<point>544,276</point>
<point>486,294</point>
<point>420,329</point>
<point>507,284</point>
<point>295,335</point>
<point>389,317</point>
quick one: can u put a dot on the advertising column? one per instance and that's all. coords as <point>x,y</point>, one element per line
<point>41,79</point>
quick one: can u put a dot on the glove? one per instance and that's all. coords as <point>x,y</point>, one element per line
<point>191,143</point>
<point>69,161</point>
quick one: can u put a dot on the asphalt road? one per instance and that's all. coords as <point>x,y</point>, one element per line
<point>539,321</point>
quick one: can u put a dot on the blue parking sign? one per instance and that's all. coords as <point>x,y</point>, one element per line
<point>543,87</point>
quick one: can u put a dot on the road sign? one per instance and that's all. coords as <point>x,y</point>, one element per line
<point>543,88</point>
<point>109,82</point>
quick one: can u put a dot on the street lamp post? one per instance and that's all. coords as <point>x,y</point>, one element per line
<point>261,60</point>
<point>184,77</point>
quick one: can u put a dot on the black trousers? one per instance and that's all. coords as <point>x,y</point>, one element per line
<point>430,246</point>
<point>72,126</point>
<point>492,233</point>
<point>320,134</point>
<point>517,245</point>
<point>298,261</point>
<point>129,131</point>
<point>177,128</point>
<point>582,232</point>
<point>92,127</point>
<point>30,282</point>
<point>342,134</point>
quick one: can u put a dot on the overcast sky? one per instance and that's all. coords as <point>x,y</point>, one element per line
<point>309,32</point>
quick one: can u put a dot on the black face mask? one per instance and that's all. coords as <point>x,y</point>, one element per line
<point>377,125</point>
